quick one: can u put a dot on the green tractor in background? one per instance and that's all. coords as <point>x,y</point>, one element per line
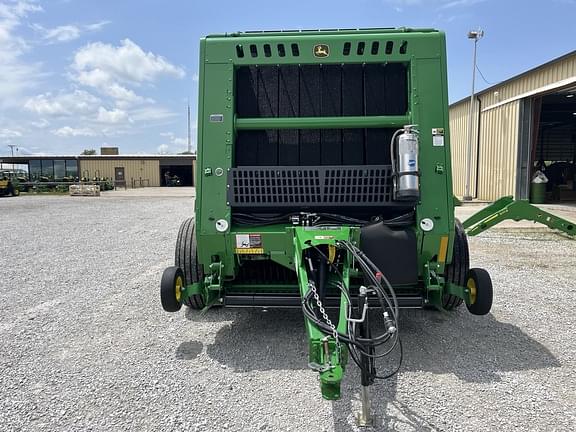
<point>9,184</point>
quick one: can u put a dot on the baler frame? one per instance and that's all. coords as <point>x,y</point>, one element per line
<point>423,52</point>
<point>308,222</point>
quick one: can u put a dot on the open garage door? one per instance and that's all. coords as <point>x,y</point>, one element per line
<point>176,172</point>
<point>554,144</point>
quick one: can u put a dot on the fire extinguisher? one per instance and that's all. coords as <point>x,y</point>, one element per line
<point>404,157</point>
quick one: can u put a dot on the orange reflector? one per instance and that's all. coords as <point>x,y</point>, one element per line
<point>443,249</point>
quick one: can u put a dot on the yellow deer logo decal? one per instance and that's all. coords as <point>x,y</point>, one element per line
<point>321,50</point>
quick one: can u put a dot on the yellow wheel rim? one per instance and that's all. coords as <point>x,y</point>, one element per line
<point>178,288</point>
<point>471,285</point>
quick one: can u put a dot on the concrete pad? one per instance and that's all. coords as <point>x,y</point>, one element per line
<point>151,192</point>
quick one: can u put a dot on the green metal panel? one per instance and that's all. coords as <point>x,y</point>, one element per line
<point>321,122</point>
<point>423,50</point>
<point>405,46</point>
<point>430,111</point>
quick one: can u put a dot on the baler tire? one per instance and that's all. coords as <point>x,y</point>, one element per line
<point>169,285</point>
<point>484,292</point>
<point>457,270</point>
<point>187,259</point>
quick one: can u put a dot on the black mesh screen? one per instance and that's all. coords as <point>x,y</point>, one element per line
<point>313,91</point>
<point>329,186</point>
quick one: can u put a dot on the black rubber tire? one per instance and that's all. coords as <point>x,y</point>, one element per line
<point>167,289</point>
<point>484,292</point>
<point>457,270</point>
<point>186,258</point>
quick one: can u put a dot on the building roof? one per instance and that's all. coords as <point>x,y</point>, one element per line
<point>515,77</point>
<point>25,159</point>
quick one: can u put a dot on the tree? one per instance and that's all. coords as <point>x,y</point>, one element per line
<point>88,152</point>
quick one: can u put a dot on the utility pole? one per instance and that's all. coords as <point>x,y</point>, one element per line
<point>189,139</point>
<point>12,151</point>
<point>476,35</point>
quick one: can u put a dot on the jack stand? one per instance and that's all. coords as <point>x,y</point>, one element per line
<point>364,418</point>
<point>368,371</point>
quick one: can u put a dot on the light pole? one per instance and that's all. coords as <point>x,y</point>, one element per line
<point>12,150</point>
<point>476,35</point>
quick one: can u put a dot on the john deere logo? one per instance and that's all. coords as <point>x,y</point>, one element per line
<point>321,50</point>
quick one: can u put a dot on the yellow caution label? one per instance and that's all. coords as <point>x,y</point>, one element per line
<point>250,251</point>
<point>331,253</point>
<point>443,249</point>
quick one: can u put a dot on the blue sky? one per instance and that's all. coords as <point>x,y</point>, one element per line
<point>78,74</point>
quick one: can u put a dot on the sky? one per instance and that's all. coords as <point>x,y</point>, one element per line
<point>80,74</point>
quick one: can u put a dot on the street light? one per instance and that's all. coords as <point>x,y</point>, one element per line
<point>12,150</point>
<point>475,35</point>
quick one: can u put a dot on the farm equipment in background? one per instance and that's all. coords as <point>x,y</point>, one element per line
<point>324,183</point>
<point>9,184</point>
<point>171,180</point>
<point>506,208</point>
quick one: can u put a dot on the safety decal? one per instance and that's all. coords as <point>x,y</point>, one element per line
<point>249,244</point>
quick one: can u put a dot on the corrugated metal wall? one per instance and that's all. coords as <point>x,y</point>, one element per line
<point>134,169</point>
<point>558,71</point>
<point>498,151</point>
<point>459,144</point>
<point>499,129</point>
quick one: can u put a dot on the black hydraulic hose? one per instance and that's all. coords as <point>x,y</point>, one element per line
<point>362,346</point>
<point>368,370</point>
<point>321,286</point>
<point>251,219</point>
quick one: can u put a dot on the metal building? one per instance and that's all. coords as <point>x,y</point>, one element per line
<point>525,123</point>
<point>129,170</point>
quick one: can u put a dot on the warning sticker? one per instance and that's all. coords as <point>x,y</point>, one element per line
<point>438,137</point>
<point>249,244</point>
<point>250,251</point>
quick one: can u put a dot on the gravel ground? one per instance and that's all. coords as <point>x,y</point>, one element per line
<point>85,344</point>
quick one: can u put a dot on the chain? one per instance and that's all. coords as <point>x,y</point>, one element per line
<point>312,287</point>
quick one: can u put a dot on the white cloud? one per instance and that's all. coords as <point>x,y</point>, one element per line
<point>15,10</point>
<point>195,77</point>
<point>97,26</point>
<point>151,114</point>
<point>443,4</point>
<point>460,3</point>
<point>67,33</point>
<point>63,104</point>
<point>113,69</point>
<point>181,142</point>
<point>63,33</point>
<point>163,149</point>
<point>403,3</point>
<point>113,116</point>
<point>40,124</point>
<point>10,133</point>
<point>16,75</point>
<point>68,131</point>
<point>176,144</point>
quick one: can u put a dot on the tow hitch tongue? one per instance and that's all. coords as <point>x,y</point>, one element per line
<point>325,259</point>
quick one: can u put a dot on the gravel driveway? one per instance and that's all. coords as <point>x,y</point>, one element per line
<point>85,345</point>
